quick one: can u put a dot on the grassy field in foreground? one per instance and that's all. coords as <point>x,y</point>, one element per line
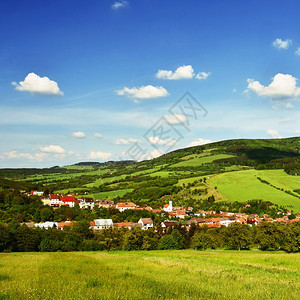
<point>244,185</point>
<point>184,274</point>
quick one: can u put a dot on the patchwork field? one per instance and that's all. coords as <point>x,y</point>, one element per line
<point>184,274</point>
<point>245,185</point>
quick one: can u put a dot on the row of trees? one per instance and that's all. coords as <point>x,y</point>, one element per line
<point>268,236</point>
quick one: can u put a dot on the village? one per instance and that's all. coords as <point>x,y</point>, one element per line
<point>182,216</point>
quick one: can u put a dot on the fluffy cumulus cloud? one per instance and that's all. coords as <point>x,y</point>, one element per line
<point>99,155</point>
<point>282,86</point>
<point>297,52</point>
<point>19,155</point>
<point>98,135</point>
<point>182,72</point>
<point>158,141</point>
<point>274,134</point>
<point>281,44</point>
<point>78,134</point>
<point>119,4</point>
<point>176,118</point>
<point>126,141</point>
<point>144,92</point>
<point>199,142</point>
<point>53,149</point>
<point>35,84</point>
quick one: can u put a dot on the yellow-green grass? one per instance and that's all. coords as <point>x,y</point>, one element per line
<point>64,176</point>
<point>185,274</point>
<point>244,185</point>
<point>110,194</point>
<point>200,160</point>
<point>78,167</point>
<point>101,181</point>
<point>72,190</point>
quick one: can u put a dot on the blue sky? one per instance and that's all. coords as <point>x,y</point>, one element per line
<point>86,81</point>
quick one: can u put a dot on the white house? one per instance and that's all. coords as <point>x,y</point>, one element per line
<point>226,222</point>
<point>46,225</point>
<point>168,207</point>
<point>87,203</point>
<point>99,224</point>
<point>55,200</point>
<point>122,206</point>
<point>146,223</point>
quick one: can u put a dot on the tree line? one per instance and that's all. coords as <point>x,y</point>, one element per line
<point>268,236</point>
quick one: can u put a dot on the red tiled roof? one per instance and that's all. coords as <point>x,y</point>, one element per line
<point>126,204</point>
<point>53,196</point>
<point>92,223</point>
<point>122,224</point>
<point>63,224</point>
<point>69,199</point>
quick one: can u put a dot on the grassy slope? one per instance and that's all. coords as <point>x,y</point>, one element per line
<point>200,160</point>
<point>110,194</point>
<point>185,274</point>
<point>243,185</point>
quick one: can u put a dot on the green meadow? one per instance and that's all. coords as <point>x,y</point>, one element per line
<point>110,194</point>
<point>197,160</point>
<point>244,185</point>
<point>184,274</point>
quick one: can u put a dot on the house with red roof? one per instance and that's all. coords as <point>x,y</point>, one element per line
<point>69,201</point>
<point>61,225</point>
<point>146,223</point>
<point>55,200</point>
<point>168,207</point>
<point>122,206</point>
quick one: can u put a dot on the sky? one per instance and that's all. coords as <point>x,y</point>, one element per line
<point>116,80</point>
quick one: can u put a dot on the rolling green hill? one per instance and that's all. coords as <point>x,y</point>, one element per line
<point>232,170</point>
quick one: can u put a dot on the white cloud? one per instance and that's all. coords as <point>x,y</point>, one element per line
<point>183,72</point>
<point>35,84</point>
<point>283,86</point>
<point>119,4</point>
<point>78,134</point>
<point>280,44</point>
<point>100,155</point>
<point>176,118</point>
<point>203,75</point>
<point>15,155</point>
<point>144,92</point>
<point>297,52</point>
<point>53,149</point>
<point>158,141</point>
<point>274,134</point>
<point>126,141</point>
<point>153,154</point>
<point>98,135</point>
<point>199,142</point>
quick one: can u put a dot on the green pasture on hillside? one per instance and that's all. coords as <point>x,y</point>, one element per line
<point>185,274</point>
<point>200,160</point>
<point>244,185</point>
<point>110,194</point>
